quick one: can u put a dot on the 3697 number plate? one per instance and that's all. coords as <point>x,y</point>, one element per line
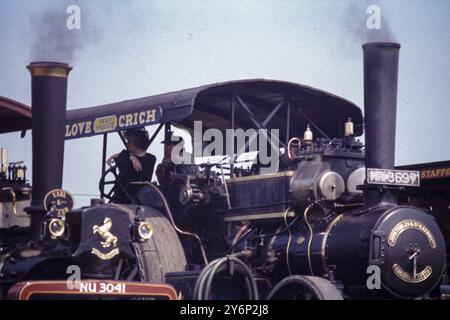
<point>393,177</point>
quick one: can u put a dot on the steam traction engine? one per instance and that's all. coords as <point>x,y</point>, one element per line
<point>317,231</point>
<point>313,230</point>
<point>55,251</point>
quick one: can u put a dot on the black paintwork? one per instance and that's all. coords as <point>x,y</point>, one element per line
<point>212,105</point>
<point>48,101</point>
<point>380,110</point>
<point>335,239</point>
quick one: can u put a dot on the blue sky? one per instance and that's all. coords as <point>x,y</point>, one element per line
<point>139,48</point>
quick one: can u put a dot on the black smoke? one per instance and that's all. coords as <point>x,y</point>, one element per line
<point>54,41</point>
<point>355,19</point>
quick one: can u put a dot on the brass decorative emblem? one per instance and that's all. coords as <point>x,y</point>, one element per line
<point>412,278</point>
<point>103,230</point>
<point>108,240</point>
<point>59,201</point>
<point>411,224</point>
<point>105,124</point>
<point>105,256</point>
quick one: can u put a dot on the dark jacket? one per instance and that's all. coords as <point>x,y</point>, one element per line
<point>128,174</point>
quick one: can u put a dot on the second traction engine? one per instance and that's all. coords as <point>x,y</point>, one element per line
<point>319,222</point>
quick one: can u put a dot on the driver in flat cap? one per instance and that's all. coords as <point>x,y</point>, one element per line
<point>168,165</point>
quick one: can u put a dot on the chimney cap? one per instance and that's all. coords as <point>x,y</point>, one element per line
<point>381,44</point>
<point>49,69</point>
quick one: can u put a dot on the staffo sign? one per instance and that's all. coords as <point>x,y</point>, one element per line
<point>114,122</point>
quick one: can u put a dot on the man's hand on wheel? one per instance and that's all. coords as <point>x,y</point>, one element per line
<point>111,159</point>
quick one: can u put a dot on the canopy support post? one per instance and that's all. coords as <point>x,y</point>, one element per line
<point>233,127</point>
<point>122,138</point>
<point>288,121</point>
<point>156,133</point>
<point>105,144</point>
<point>167,127</point>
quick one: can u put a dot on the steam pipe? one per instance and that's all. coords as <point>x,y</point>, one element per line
<point>380,109</point>
<point>48,101</point>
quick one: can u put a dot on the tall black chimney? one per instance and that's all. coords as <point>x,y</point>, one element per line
<point>380,109</point>
<point>48,101</point>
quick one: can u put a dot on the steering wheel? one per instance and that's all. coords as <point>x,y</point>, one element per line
<point>114,171</point>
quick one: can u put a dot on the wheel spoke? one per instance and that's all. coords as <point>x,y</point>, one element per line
<point>118,269</point>
<point>103,182</point>
<point>110,193</point>
<point>132,274</point>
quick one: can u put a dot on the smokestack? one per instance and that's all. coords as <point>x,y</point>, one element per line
<point>380,109</point>
<point>48,101</point>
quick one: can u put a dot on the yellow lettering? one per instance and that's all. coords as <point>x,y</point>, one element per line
<point>151,115</point>
<point>74,129</point>
<point>81,127</point>
<point>67,131</point>
<point>141,117</point>
<point>135,115</point>
<point>59,194</point>
<point>435,173</point>
<point>128,120</point>
<point>121,121</point>
<point>88,127</point>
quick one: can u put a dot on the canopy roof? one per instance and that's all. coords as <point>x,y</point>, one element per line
<point>212,104</point>
<point>14,116</point>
